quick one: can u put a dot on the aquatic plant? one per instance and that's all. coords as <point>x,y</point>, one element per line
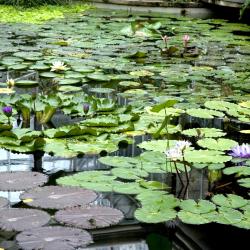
<point>7,111</point>
<point>241,151</point>
<point>186,39</point>
<point>39,14</point>
<point>10,82</point>
<point>86,108</point>
<point>173,154</point>
<point>165,40</point>
<point>58,66</point>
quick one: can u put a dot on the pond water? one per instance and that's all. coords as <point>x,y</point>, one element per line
<point>105,92</point>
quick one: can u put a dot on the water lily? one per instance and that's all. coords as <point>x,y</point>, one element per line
<point>58,66</point>
<point>177,151</point>
<point>165,40</point>
<point>182,145</point>
<point>241,151</point>
<point>86,108</point>
<point>186,39</point>
<point>7,111</point>
<point>174,154</point>
<point>10,83</point>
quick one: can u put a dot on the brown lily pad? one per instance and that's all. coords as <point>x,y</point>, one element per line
<point>56,197</point>
<point>21,180</point>
<point>19,219</point>
<point>89,217</point>
<point>3,202</point>
<point>53,238</point>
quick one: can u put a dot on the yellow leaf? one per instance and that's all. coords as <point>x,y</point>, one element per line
<point>245,104</point>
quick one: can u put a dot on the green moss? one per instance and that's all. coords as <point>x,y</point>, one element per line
<point>38,14</point>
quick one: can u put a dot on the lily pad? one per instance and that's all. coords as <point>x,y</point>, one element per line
<point>197,219</point>
<point>20,219</point>
<point>89,217</point>
<point>204,132</point>
<point>230,200</point>
<point>206,156</point>
<point>152,215</point>
<point>200,207</point>
<point>21,180</point>
<point>219,144</point>
<point>56,197</point>
<point>55,237</point>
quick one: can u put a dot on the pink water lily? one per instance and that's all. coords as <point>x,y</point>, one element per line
<point>186,39</point>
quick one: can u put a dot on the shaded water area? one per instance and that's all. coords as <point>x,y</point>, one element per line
<point>120,66</point>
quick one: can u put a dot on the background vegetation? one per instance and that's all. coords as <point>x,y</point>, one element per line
<point>31,3</point>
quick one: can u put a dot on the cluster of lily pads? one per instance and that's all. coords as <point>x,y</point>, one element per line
<point>75,210</point>
<point>106,80</point>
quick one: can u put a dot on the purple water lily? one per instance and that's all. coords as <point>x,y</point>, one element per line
<point>86,108</point>
<point>241,151</point>
<point>7,111</point>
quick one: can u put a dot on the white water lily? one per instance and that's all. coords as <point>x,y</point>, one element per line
<point>174,154</point>
<point>58,66</point>
<point>182,145</point>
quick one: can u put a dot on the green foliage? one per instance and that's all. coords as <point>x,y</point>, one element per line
<point>204,132</point>
<point>221,144</point>
<point>206,156</point>
<point>230,201</point>
<point>40,14</point>
<point>31,3</point>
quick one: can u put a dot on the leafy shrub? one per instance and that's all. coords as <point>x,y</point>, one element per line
<point>31,3</point>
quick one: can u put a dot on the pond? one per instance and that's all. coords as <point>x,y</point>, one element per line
<point>133,127</point>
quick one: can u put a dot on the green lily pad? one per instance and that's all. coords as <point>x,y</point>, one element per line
<point>230,201</point>
<point>204,132</point>
<point>200,207</point>
<point>217,144</point>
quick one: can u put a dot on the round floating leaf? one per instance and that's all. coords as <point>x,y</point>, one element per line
<point>26,83</point>
<point>128,84</point>
<point>119,161</point>
<point>245,221</point>
<point>69,88</point>
<point>19,219</point>
<point>48,74</point>
<point>69,81</point>
<point>239,170</point>
<point>3,202</point>
<point>153,215</point>
<point>228,216</point>
<point>199,207</point>
<point>56,197</point>
<point>204,132</point>
<point>204,113</point>
<point>206,156</point>
<point>21,180</point>
<point>161,201</point>
<point>53,238</point>
<point>127,188</point>
<point>129,174</point>
<point>221,144</point>
<point>89,217</point>
<point>157,145</point>
<point>231,200</point>
<point>245,182</point>
<point>197,219</point>
<point>220,105</point>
